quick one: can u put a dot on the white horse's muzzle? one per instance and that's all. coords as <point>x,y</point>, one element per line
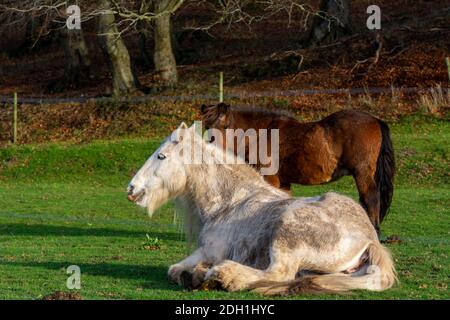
<point>134,196</point>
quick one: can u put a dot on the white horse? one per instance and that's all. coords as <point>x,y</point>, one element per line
<point>256,237</point>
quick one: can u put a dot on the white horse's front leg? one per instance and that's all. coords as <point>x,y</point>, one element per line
<point>187,264</point>
<point>234,276</point>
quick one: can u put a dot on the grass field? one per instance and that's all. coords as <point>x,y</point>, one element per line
<point>64,205</point>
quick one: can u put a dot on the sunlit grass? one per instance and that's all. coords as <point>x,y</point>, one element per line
<point>65,204</point>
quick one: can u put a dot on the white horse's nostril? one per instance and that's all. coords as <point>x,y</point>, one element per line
<point>135,196</point>
<point>130,189</point>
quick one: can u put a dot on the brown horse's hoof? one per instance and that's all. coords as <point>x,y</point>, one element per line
<point>392,239</point>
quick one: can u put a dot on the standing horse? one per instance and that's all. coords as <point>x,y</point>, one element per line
<point>300,245</point>
<point>349,142</point>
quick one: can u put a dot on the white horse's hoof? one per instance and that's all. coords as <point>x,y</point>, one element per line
<point>224,275</point>
<point>174,273</point>
<point>213,273</point>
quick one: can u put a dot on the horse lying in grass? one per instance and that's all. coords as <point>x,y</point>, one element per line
<point>255,236</point>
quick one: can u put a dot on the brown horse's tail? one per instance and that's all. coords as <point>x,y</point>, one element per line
<point>384,174</point>
<point>380,275</point>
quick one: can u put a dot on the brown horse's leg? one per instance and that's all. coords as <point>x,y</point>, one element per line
<point>273,180</point>
<point>277,183</point>
<point>369,196</point>
<point>285,187</point>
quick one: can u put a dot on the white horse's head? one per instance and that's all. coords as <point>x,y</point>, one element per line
<point>163,176</point>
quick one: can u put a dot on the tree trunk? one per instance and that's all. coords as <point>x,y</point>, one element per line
<point>163,56</point>
<point>77,61</point>
<point>124,80</point>
<point>331,23</point>
<point>144,28</point>
<point>144,37</point>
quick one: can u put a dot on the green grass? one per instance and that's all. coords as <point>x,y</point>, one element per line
<point>65,204</point>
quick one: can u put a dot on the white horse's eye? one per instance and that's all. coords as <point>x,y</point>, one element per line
<point>161,156</point>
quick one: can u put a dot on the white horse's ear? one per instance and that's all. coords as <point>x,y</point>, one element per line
<point>177,135</point>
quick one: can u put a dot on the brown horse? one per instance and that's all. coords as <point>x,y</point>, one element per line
<point>348,142</point>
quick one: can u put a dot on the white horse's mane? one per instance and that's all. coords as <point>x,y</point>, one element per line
<point>238,177</point>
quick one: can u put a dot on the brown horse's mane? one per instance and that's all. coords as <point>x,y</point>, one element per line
<point>258,111</point>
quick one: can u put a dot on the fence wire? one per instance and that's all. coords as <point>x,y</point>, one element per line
<point>210,97</point>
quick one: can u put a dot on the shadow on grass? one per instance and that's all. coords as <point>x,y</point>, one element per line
<point>22,229</point>
<point>154,277</point>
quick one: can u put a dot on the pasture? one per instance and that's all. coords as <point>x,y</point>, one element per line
<point>65,204</point>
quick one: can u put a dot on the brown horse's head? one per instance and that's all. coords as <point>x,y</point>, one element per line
<point>216,116</point>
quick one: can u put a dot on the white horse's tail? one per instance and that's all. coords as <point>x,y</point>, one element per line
<point>380,276</point>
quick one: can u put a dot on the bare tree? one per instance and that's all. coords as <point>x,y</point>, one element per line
<point>156,13</point>
<point>52,15</point>
<point>36,17</point>
<point>77,61</point>
<point>111,42</point>
<point>247,12</point>
<point>331,23</point>
<point>144,30</point>
<point>163,56</point>
<point>117,17</point>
